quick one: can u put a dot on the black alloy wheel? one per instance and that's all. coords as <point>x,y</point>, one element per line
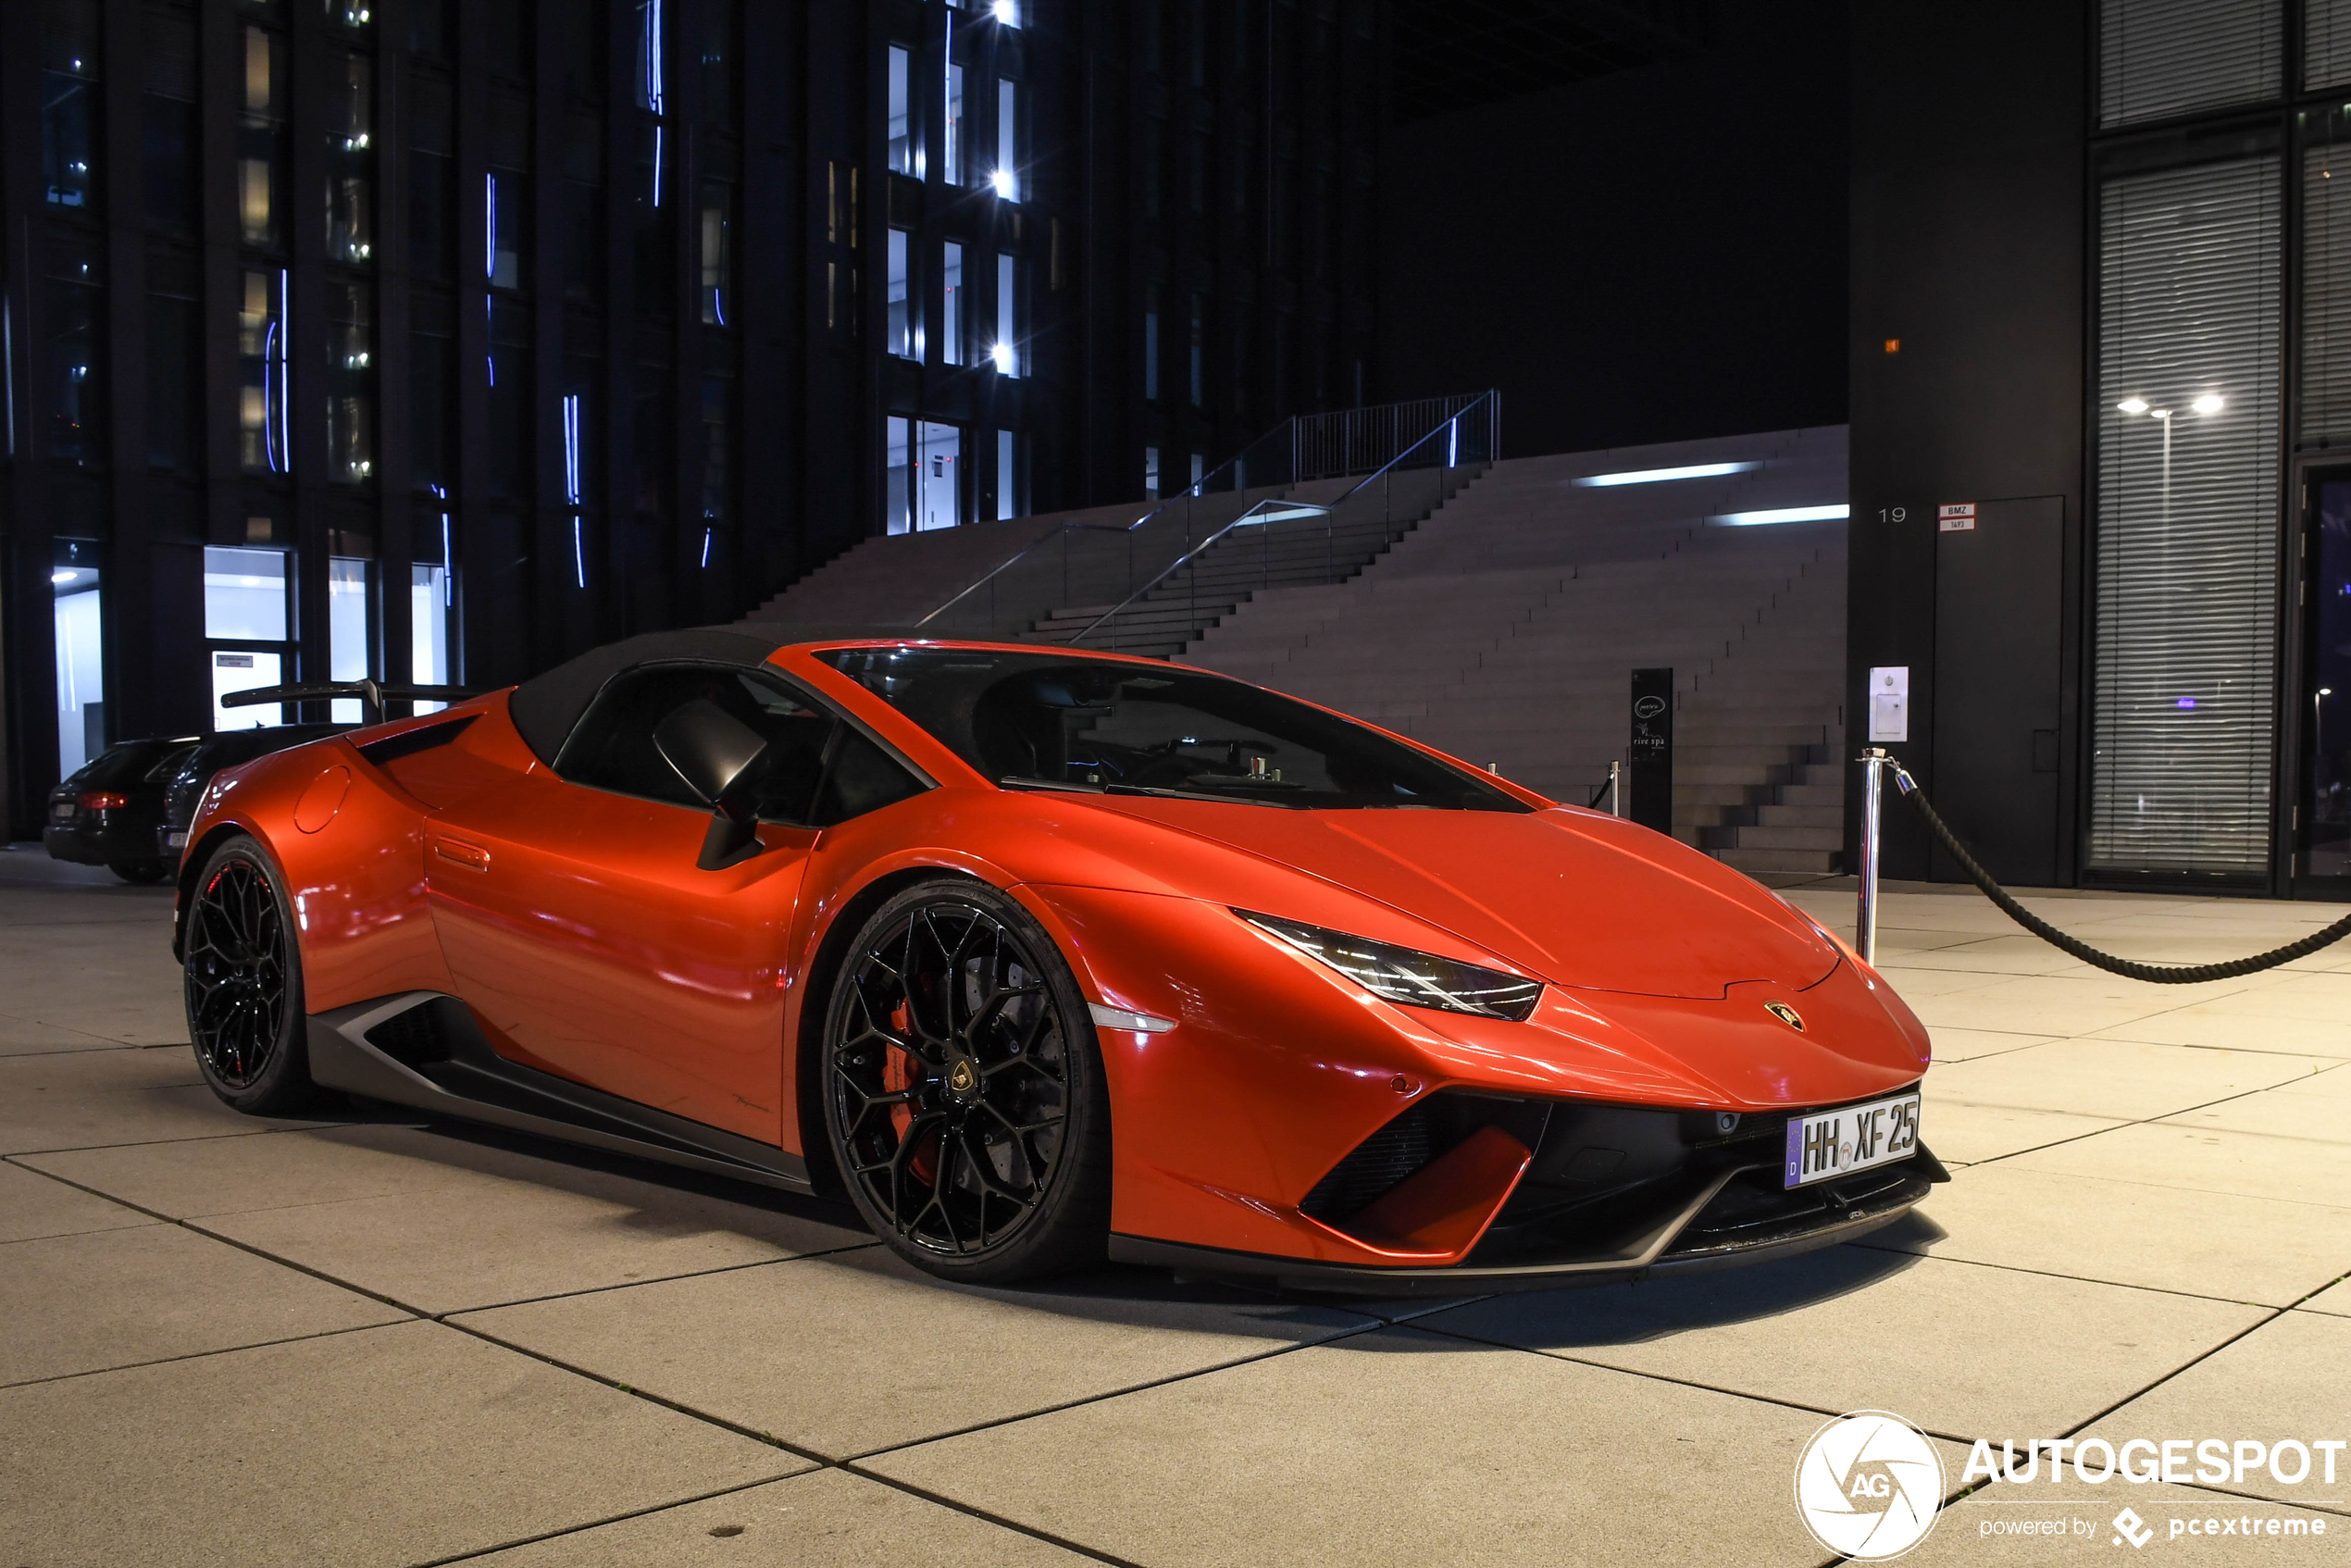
<point>964,1089</point>
<point>243,984</point>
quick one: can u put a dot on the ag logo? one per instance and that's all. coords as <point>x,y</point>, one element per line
<point>1786,1015</point>
<point>1867,1485</point>
<point>1649,707</point>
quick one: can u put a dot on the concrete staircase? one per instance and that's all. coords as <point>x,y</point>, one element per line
<point>1254,558</point>
<point>1504,628</point>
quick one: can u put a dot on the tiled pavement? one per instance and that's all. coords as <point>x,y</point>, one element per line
<point>389,1341</point>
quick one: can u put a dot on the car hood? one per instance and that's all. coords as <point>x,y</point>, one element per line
<point>1573,897</point>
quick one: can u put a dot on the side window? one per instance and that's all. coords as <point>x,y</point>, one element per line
<point>861,777</point>
<point>613,746</point>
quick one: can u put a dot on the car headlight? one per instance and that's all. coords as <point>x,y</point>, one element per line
<point>1405,974</point>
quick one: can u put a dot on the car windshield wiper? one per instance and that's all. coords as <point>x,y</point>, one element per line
<point>1065,786</point>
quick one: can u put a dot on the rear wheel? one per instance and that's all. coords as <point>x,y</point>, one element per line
<point>243,984</point>
<point>963,1090</point>
<point>141,871</point>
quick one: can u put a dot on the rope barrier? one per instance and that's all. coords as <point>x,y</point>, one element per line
<point>2160,974</point>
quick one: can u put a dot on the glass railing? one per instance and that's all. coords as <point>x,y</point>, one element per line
<point>1319,531</point>
<point>1079,573</point>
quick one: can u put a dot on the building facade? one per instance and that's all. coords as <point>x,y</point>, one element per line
<point>2101,380</point>
<point>438,341</point>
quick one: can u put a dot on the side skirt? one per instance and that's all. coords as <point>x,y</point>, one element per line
<point>423,1049</point>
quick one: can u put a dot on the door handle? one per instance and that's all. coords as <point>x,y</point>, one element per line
<point>473,857</point>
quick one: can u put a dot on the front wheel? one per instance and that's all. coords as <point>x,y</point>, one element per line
<point>963,1088</point>
<point>243,984</point>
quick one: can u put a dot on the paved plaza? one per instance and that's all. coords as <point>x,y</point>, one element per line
<point>376,1340</point>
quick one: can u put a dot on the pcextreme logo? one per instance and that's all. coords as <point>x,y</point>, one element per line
<point>1867,1485</point>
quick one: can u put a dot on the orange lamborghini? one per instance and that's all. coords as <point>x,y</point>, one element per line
<point>1040,957</point>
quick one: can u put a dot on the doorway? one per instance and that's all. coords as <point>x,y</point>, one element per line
<point>2322,790</point>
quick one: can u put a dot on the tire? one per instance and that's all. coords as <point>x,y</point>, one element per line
<point>970,1126</point>
<point>140,871</point>
<point>243,983</point>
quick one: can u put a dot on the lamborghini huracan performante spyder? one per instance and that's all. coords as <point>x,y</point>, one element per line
<point>1042,957</point>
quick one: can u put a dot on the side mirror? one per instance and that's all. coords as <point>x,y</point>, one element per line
<point>716,754</point>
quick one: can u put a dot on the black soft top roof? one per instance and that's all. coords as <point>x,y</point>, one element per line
<point>546,706</point>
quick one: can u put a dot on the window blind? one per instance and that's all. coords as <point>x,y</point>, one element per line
<point>2324,417</point>
<point>2157,58</point>
<point>2326,43</point>
<point>2187,519</point>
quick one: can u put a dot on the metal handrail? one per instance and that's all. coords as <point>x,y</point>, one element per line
<point>1329,511</point>
<point>1229,475</point>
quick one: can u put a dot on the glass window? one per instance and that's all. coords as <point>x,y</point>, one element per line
<point>717,251</point>
<point>898,476</point>
<point>261,157</point>
<point>246,595</point>
<point>506,441</point>
<point>952,138</point>
<point>903,336</point>
<point>242,669</point>
<point>1196,348</point>
<point>718,452</point>
<point>1151,342</point>
<point>1151,472</point>
<point>950,303</point>
<point>651,79</point>
<point>1109,725</point>
<point>924,476</point>
<point>657,442</point>
<point>349,13</point>
<point>720,23</point>
<point>428,29</point>
<point>2160,58</point>
<point>168,129</point>
<point>432,390</point>
<point>175,383</point>
<point>2187,376</point>
<point>261,356</point>
<point>350,634</point>
<point>351,158</point>
<point>583,207</point>
<point>431,612</point>
<point>654,243</point>
<point>506,217</point>
<point>904,156</point>
<point>613,746</point>
<point>2327,774</point>
<point>432,247</point>
<point>351,384</point>
<point>1007,176</point>
<point>81,650</point>
<point>1007,353</point>
<point>1011,491</point>
<point>70,125</point>
<point>76,330</point>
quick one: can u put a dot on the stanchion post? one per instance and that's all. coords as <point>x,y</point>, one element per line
<point>1873,763</point>
<point>1616,788</point>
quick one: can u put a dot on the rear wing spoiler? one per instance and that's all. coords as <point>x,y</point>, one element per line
<point>372,695</point>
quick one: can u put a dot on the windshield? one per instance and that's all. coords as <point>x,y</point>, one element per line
<point>1051,722</point>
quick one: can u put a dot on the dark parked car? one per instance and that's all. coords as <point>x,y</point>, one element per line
<point>197,766</point>
<point>110,811</point>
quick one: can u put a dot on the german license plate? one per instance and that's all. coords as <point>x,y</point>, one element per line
<point>176,839</point>
<point>1836,1143</point>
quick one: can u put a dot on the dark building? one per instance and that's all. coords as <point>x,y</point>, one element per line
<point>2100,287</point>
<point>438,341</point>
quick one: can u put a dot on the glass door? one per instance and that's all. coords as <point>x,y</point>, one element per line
<point>2325,785</point>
